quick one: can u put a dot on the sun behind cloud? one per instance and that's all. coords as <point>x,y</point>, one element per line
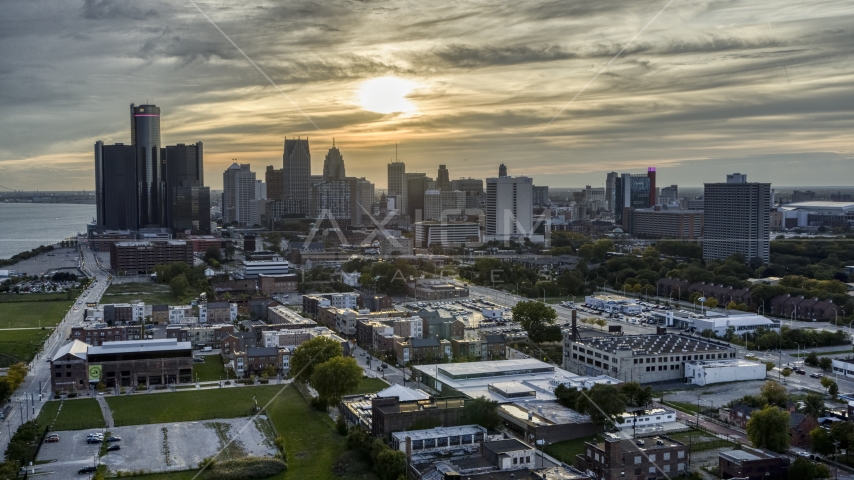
<point>387,95</point>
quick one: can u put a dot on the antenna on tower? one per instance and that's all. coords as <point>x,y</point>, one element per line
<point>395,151</point>
<point>333,142</point>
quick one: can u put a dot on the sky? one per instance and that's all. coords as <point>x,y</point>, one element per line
<point>562,91</point>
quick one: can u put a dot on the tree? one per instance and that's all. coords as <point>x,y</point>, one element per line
<point>820,441</point>
<point>603,403</point>
<point>711,303</point>
<point>534,317</point>
<point>483,412</point>
<point>566,396</point>
<point>769,366</point>
<point>774,393</point>
<point>179,285</point>
<point>335,378</point>
<point>213,253</point>
<point>814,404</point>
<point>842,432</point>
<point>311,353</point>
<point>825,363</point>
<point>769,428</point>
<point>391,464</point>
<point>636,395</point>
<point>825,382</point>
<point>811,360</point>
<point>804,469</point>
<point>833,389</point>
<point>786,372</point>
<point>552,333</point>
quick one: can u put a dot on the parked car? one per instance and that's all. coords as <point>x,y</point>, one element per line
<point>800,371</point>
<point>815,375</point>
<point>89,469</point>
<point>384,365</point>
<point>113,448</point>
<point>53,438</point>
<point>114,439</point>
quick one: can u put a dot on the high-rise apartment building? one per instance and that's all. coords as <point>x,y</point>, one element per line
<point>296,176</point>
<point>540,195</point>
<point>669,195</point>
<point>260,190</point>
<point>238,195</point>
<point>364,201</point>
<point>333,165</point>
<point>453,201</point>
<point>509,208</point>
<point>151,169</point>
<point>443,178</point>
<point>502,170</point>
<point>116,186</point>
<point>397,183</point>
<point>188,200</point>
<point>736,219</point>
<point>274,179</point>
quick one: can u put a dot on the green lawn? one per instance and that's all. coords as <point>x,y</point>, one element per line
<point>211,370</point>
<point>150,293</point>
<point>567,450</point>
<point>29,314</point>
<point>75,414</point>
<point>700,440</point>
<point>188,406</point>
<point>684,406</point>
<point>37,297</point>
<point>21,345</point>
<point>370,385</point>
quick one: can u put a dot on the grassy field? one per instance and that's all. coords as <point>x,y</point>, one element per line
<point>77,414</point>
<point>700,440</point>
<point>567,450</point>
<point>211,370</point>
<point>20,345</point>
<point>150,293</point>
<point>684,406</point>
<point>36,297</point>
<point>370,385</point>
<point>32,314</point>
<point>311,442</point>
<point>188,405</point>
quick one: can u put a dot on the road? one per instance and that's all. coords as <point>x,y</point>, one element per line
<point>28,399</point>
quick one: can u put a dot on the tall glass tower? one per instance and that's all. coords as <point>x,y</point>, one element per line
<point>151,168</point>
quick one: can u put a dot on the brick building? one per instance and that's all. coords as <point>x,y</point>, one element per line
<point>99,333</point>
<point>137,258</point>
<point>643,459</point>
<point>277,284</point>
<point>753,464</point>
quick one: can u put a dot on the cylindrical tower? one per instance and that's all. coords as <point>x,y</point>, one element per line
<point>151,170</point>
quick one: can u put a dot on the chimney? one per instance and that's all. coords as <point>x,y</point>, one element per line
<point>408,447</point>
<point>574,333</point>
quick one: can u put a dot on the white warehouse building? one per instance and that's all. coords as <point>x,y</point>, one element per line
<point>720,321</point>
<point>613,304</point>
<point>708,372</point>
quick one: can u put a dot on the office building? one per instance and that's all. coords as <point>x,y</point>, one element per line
<point>274,178</point>
<point>650,173</point>
<point>669,195</point>
<point>275,266</point>
<point>333,198</point>
<point>468,185</point>
<point>446,234</point>
<point>116,186</point>
<point>296,178</point>
<point>398,184</point>
<point>238,195</point>
<point>737,219</point>
<point>502,170</point>
<point>416,187</point>
<point>188,200</point>
<point>432,205</point>
<point>540,196</point>
<point>139,258</point>
<point>640,358</point>
<point>453,202</point>
<point>443,180</point>
<point>364,201</point>
<point>77,366</point>
<point>658,222</point>
<point>395,246</point>
<point>610,189</point>
<point>145,139</point>
<point>647,459</point>
<point>333,164</point>
<point>631,191</point>
<point>260,190</point>
<point>509,208</point>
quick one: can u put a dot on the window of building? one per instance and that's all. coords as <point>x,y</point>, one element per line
<point>67,374</point>
<point>527,459</point>
<point>652,470</point>
<point>680,467</point>
<point>637,460</point>
<point>666,455</point>
<point>681,454</point>
<point>515,460</point>
<point>58,374</point>
<point>666,468</point>
<point>652,458</point>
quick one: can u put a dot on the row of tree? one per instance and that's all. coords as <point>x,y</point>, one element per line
<point>605,403</point>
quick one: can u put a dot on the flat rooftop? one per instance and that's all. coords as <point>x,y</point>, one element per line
<point>439,432</point>
<point>652,344</point>
<point>735,362</point>
<point>139,346</point>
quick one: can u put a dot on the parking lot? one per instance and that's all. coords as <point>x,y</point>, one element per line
<point>159,447</point>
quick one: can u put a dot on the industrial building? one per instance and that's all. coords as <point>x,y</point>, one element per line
<point>640,358</point>
<point>703,372</point>
<point>753,464</point>
<point>504,381</point>
<point>646,459</point>
<point>78,366</point>
<point>546,420</point>
<point>135,258</point>
<point>719,321</point>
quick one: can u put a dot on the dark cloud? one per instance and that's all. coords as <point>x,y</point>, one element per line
<point>112,9</point>
<point>470,56</point>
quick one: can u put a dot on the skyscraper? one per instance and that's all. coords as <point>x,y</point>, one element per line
<point>116,180</point>
<point>736,218</point>
<point>333,165</point>
<point>188,200</point>
<point>416,185</point>
<point>630,191</point>
<point>397,184</point>
<point>296,168</point>
<point>443,179</point>
<point>611,189</point>
<point>151,169</point>
<point>238,195</point>
<point>274,179</point>
<point>502,170</point>
<point>509,208</point>
<point>650,173</point>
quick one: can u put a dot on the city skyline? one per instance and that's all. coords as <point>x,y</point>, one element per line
<point>705,89</point>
